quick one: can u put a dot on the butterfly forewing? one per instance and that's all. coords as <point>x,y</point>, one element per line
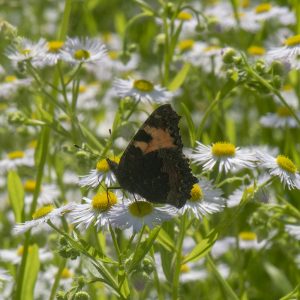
<point>153,164</point>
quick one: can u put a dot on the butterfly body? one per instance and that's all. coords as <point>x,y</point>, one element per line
<point>153,165</point>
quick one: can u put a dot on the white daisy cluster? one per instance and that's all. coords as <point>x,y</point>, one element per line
<point>42,53</point>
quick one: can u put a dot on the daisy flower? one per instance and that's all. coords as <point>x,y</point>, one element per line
<point>293,230</point>
<point>42,216</point>
<point>16,159</point>
<point>94,211</point>
<point>222,15</point>
<point>192,272</point>
<point>4,276</point>
<point>281,167</point>
<point>14,256</point>
<point>83,50</point>
<point>265,11</point>
<point>11,85</point>
<point>53,54</point>
<point>220,247</point>
<point>252,191</point>
<point>202,54</point>
<point>135,214</point>
<point>204,200</point>
<point>289,95</point>
<point>48,192</point>
<point>27,50</point>
<point>289,52</point>
<point>226,155</point>
<point>281,119</point>
<point>87,94</point>
<point>256,51</point>
<point>101,173</point>
<point>248,240</point>
<point>141,90</point>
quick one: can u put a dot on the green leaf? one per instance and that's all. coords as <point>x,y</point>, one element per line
<point>93,252</point>
<point>294,294</point>
<point>144,248</point>
<point>280,281</point>
<point>124,285</point>
<point>15,194</point>
<point>227,288</point>
<point>165,240</point>
<point>31,273</point>
<point>120,22</point>
<point>166,263</point>
<point>230,130</point>
<point>202,248</point>
<point>179,78</point>
<point>145,7</point>
<point>190,123</point>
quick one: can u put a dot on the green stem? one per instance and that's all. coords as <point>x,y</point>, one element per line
<point>178,259</point>
<point>270,88</point>
<point>207,114</point>
<point>103,271</point>
<point>229,291</point>
<point>57,278</point>
<point>44,151</point>
<point>45,138</point>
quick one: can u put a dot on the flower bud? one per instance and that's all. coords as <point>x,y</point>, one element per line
<point>229,55</point>
<point>17,118</point>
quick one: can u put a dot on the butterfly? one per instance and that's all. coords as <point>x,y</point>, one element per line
<point>153,164</point>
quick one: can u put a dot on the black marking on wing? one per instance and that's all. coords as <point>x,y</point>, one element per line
<point>162,175</point>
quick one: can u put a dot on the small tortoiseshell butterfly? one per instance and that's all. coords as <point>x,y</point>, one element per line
<point>153,165</point>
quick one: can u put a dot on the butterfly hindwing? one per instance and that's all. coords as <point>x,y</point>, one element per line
<point>153,164</point>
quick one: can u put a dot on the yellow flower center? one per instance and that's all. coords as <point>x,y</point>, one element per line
<point>196,193</point>
<point>104,200</point>
<point>211,48</point>
<point>223,149</point>
<point>283,112</point>
<point>82,88</point>
<point>20,250</point>
<point>81,54</point>
<point>25,51</point>
<point>292,41</point>
<point>113,55</point>
<point>286,164</point>
<point>256,50</point>
<point>184,268</point>
<point>143,85</point>
<point>264,7</point>
<point>33,144</point>
<point>3,106</point>
<point>140,208</point>
<point>184,16</point>
<point>43,211</point>
<point>66,273</point>
<point>102,165</point>
<point>287,87</point>
<point>249,190</point>
<point>245,3</point>
<point>15,155</point>
<point>185,45</point>
<point>247,236</point>
<point>29,186</point>
<point>10,78</point>
<point>107,37</point>
<point>55,46</point>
